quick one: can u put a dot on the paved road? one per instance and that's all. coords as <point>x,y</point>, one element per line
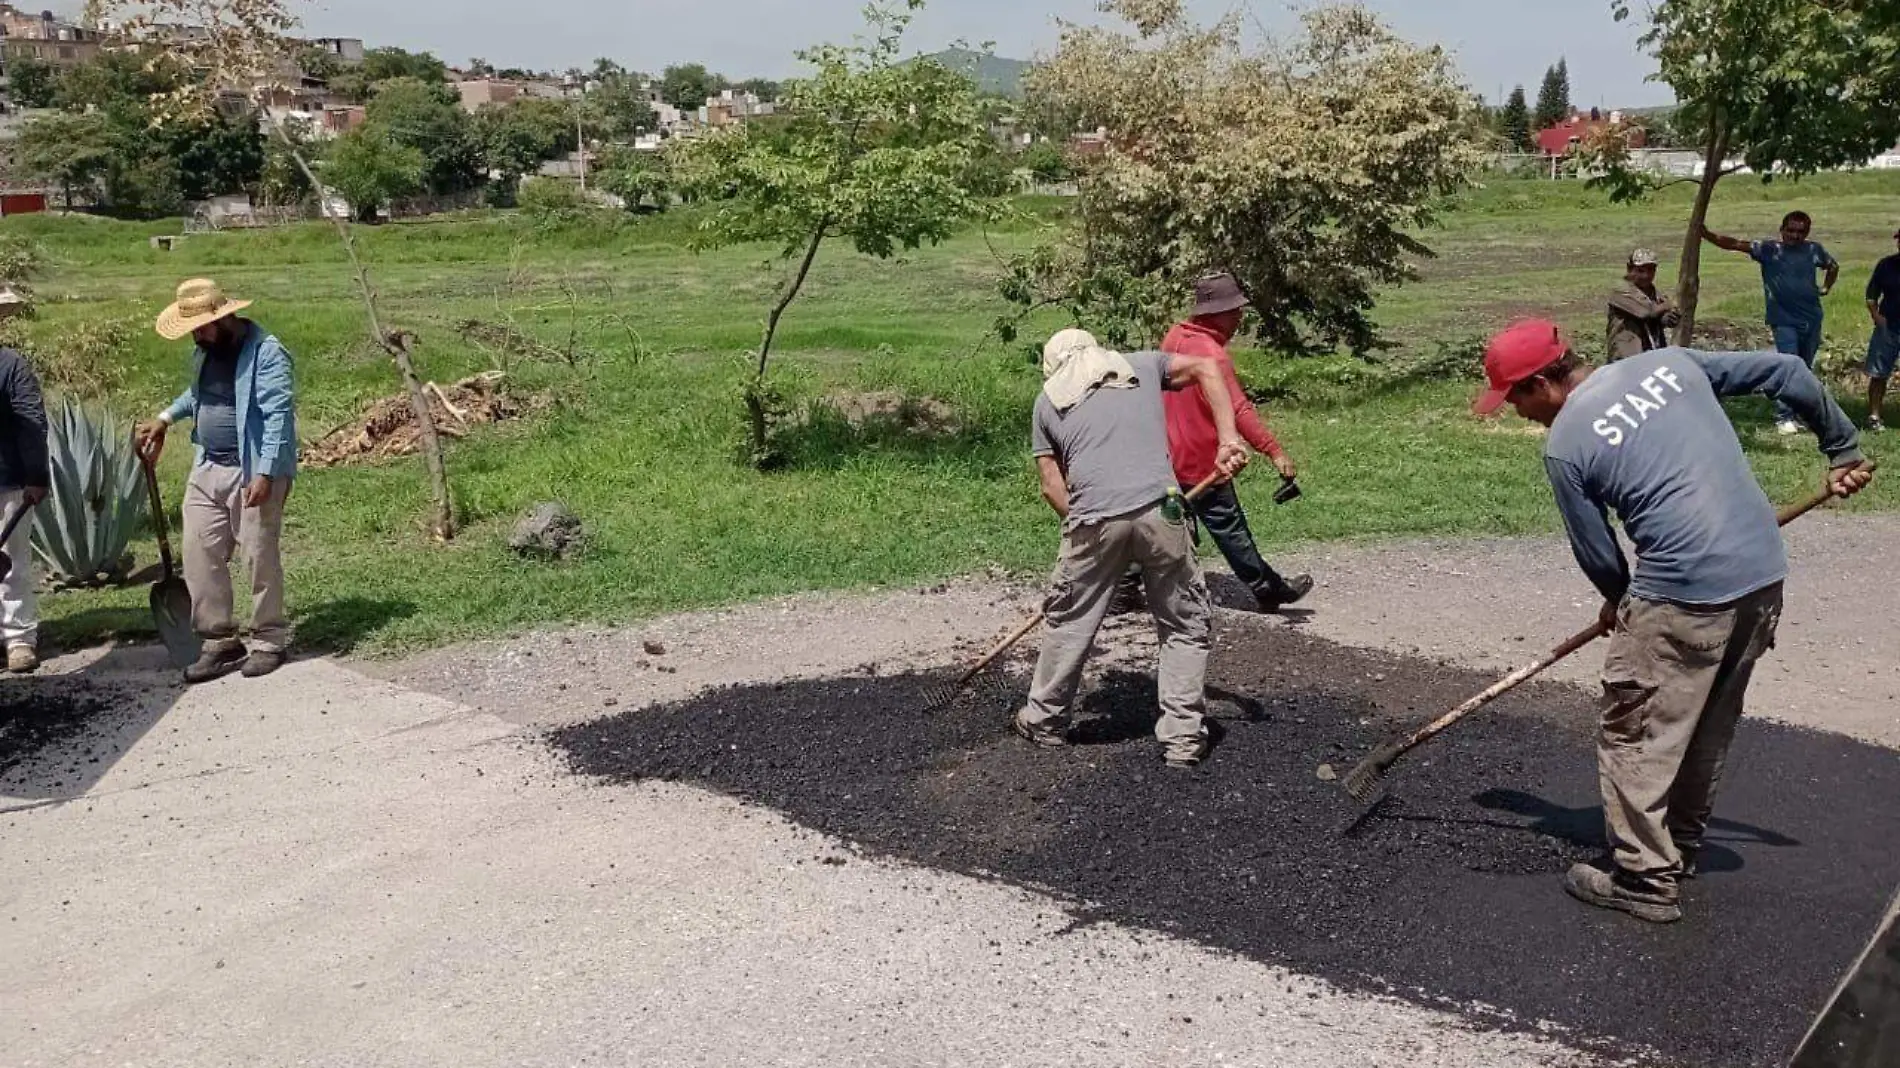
<point>325,868</point>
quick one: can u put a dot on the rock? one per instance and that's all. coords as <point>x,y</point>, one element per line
<point>1327,774</point>
<point>549,532</point>
<point>653,648</point>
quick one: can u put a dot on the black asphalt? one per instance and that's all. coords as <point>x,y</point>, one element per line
<point>1448,894</point>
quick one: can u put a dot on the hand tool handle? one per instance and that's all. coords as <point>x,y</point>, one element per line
<point>158,516</point>
<point>14,524</point>
<point>1576,642</point>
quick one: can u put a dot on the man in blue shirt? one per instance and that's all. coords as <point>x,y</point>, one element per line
<point>243,405</point>
<point>1883,350</point>
<point>1788,269</point>
<point>1647,438</point>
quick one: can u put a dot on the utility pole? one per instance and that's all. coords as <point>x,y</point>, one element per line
<point>580,143</point>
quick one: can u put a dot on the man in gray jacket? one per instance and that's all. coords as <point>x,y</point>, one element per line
<point>1640,316</point>
<point>1647,438</point>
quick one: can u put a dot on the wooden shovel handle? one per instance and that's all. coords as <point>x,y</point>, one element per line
<point>159,524</point>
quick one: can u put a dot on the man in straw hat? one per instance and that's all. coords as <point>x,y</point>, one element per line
<point>1100,439</point>
<point>1219,308</point>
<point>25,480</point>
<point>1640,316</point>
<point>1647,438</point>
<point>242,403</point>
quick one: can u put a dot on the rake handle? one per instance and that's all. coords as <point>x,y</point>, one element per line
<point>1563,652</point>
<point>1036,620</point>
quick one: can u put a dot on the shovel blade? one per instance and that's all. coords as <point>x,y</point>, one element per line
<point>171,612</point>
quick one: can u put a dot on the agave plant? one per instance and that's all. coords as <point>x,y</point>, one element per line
<point>81,532</point>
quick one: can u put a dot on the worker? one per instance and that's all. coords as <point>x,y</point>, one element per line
<point>1219,308</point>
<point>1883,348</point>
<point>1640,316</point>
<point>1100,439</point>
<point>242,403</point>
<point>1794,311</point>
<point>25,481</point>
<point>1647,438</point>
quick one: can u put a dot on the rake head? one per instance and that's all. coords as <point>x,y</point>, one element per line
<point>1367,777</point>
<point>986,687</point>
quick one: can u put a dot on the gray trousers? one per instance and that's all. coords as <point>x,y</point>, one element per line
<point>217,525</point>
<point>1094,556</point>
<point>1673,691</point>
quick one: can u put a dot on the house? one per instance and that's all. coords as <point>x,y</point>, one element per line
<point>479,93</point>
<point>43,38</point>
<point>345,50</point>
<point>1580,127</point>
<point>732,107</point>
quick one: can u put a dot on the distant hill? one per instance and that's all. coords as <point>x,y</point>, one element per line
<point>992,74</point>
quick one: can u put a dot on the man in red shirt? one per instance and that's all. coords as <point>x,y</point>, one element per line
<point>1193,441</point>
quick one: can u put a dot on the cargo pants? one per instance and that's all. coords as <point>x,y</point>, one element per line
<point>217,526</point>
<point>1094,557</point>
<point>1673,689</point>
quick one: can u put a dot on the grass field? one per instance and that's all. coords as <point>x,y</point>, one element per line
<point>641,438</point>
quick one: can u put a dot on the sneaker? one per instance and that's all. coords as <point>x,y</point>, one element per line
<point>1041,737</point>
<point>1787,428</point>
<point>1190,757</point>
<point>1594,886</point>
<point>23,660</point>
<point>1875,426</point>
<point>1292,591</point>
<point>262,662</point>
<point>215,662</point>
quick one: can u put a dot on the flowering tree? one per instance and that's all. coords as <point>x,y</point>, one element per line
<point>1305,167</point>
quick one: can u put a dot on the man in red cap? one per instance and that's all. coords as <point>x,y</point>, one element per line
<point>1193,439</point>
<point>1647,438</point>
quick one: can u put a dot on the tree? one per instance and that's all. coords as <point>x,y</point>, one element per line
<point>518,138</point>
<point>68,149</point>
<point>1514,122</point>
<point>1553,100</point>
<point>688,87</point>
<point>875,153</point>
<point>238,49</point>
<point>283,181</point>
<point>1305,166</point>
<point>641,179</point>
<point>616,110</point>
<point>1793,87</point>
<point>217,155</point>
<point>763,88</point>
<point>32,84</point>
<point>1047,163</point>
<point>426,116</point>
<point>480,68</point>
<point>368,168</point>
<point>359,83</point>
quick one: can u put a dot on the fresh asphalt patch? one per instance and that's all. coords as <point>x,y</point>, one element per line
<point>1446,894</point>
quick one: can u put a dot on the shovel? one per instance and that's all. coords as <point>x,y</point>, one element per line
<point>6,562</point>
<point>171,601</point>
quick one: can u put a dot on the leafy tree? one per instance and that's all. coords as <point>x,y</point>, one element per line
<point>368,168</point>
<point>1791,86</point>
<point>1047,163</point>
<point>427,117</point>
<point>1514,122</point>
<point>480,68</point>
<point>688,87</point>
<point>32,84</point>
<point>217,155</point>
<point>1553,100</point>
<point>641,179</point>
<point>607,70</point>
<point>361,82</point>
<point>617,111</point>
<point>68,149</point>
<point>1305,166</point>
<point>876,152</point>
<point>518,138</point>
<point>283,180</point>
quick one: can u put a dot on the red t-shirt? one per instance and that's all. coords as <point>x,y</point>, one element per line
<point>1192,439</point>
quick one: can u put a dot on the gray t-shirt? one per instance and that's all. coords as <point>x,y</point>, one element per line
<point>217,407</point>
<point>1647,438</point>
<point>1113,447</point>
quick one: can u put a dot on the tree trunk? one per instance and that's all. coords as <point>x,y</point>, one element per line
<point>442,523</point>
<point>758,417</point>
<point>1689,291</point>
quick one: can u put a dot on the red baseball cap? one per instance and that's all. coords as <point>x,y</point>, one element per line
<point>1518,353</point>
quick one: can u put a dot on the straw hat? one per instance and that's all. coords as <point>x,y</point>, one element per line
<point>200,303</point>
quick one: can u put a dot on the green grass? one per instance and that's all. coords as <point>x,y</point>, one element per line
<point>641,437</point>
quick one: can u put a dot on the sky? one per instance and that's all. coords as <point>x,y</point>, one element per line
<point>1498,43</point>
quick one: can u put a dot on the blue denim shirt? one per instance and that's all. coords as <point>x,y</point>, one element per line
<point>266,407</point>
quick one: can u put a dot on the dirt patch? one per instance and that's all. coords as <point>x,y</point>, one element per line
<point>1730,335</point>
<point>388,427</point>
<point>887,411</point>
<point>1447,895</point>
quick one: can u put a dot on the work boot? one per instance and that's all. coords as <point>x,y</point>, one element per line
<point>1691,858</point>
<point>23,660</point>
<point>1190,755</point>
<point>1041,737</point>
<point>1286,592</point>
<point>262,662</point>
<point>1594,886</point>
<point>215,662</point>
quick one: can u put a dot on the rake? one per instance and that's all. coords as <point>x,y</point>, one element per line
<point>938,698</point>
<point>1365,779</point>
